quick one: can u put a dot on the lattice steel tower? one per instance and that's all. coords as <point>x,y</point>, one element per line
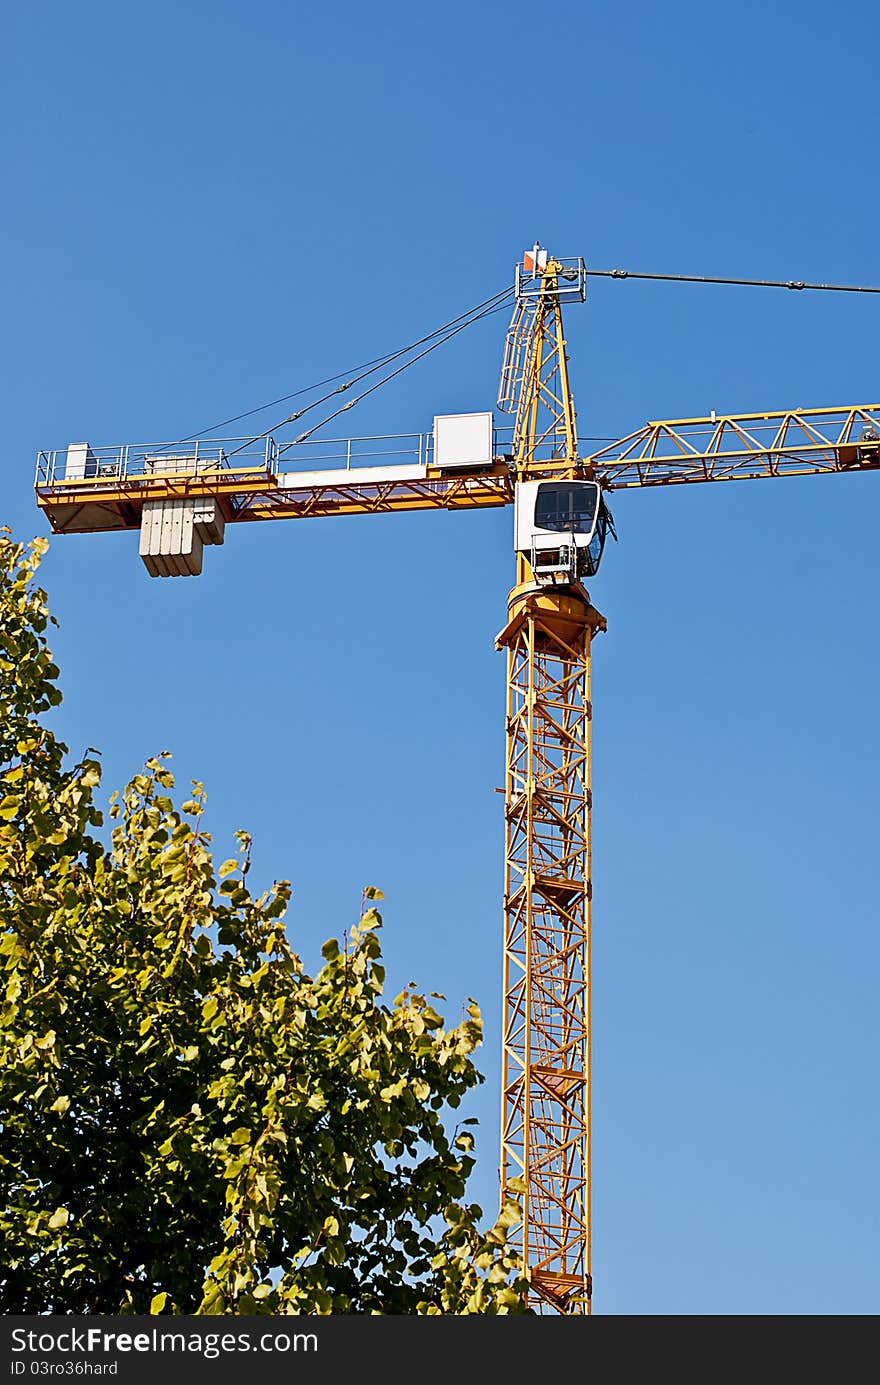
<point>545,1115</point>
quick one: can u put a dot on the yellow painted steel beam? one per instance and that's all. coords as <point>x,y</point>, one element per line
<point>545,410</point>
<point>794,442</point>
<point>468,491</point>
<point>98,505</point>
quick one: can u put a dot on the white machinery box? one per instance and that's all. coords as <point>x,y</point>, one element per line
<point>463,440</point>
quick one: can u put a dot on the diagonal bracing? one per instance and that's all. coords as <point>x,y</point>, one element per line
<point>546,1024</point>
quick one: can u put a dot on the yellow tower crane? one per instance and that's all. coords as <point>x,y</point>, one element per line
<point>181,496</point>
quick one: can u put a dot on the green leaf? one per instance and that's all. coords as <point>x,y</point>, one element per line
<point>59,1218</point>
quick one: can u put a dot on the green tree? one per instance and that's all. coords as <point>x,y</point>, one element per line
<point>190,1122</point>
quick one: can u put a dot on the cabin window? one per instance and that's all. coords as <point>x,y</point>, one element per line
<point>561,506</point>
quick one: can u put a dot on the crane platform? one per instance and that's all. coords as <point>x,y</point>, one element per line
<point>83,489</point>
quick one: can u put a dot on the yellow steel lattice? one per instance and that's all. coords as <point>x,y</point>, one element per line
<point>546,1024</point>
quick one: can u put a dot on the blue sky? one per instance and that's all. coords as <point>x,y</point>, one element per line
<point>208,206</point>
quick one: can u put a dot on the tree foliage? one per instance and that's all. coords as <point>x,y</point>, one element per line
<point>190,1122</point>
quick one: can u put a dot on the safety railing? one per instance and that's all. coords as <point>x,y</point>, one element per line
<point>83,465</point>
<point>345,454</point>
<point>332,454</point>
<point>80,465</point>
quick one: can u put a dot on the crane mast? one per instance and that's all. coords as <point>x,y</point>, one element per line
<point>546,1048</point>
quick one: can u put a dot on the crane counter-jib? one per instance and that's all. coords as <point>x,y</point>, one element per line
<point>101,503</point>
